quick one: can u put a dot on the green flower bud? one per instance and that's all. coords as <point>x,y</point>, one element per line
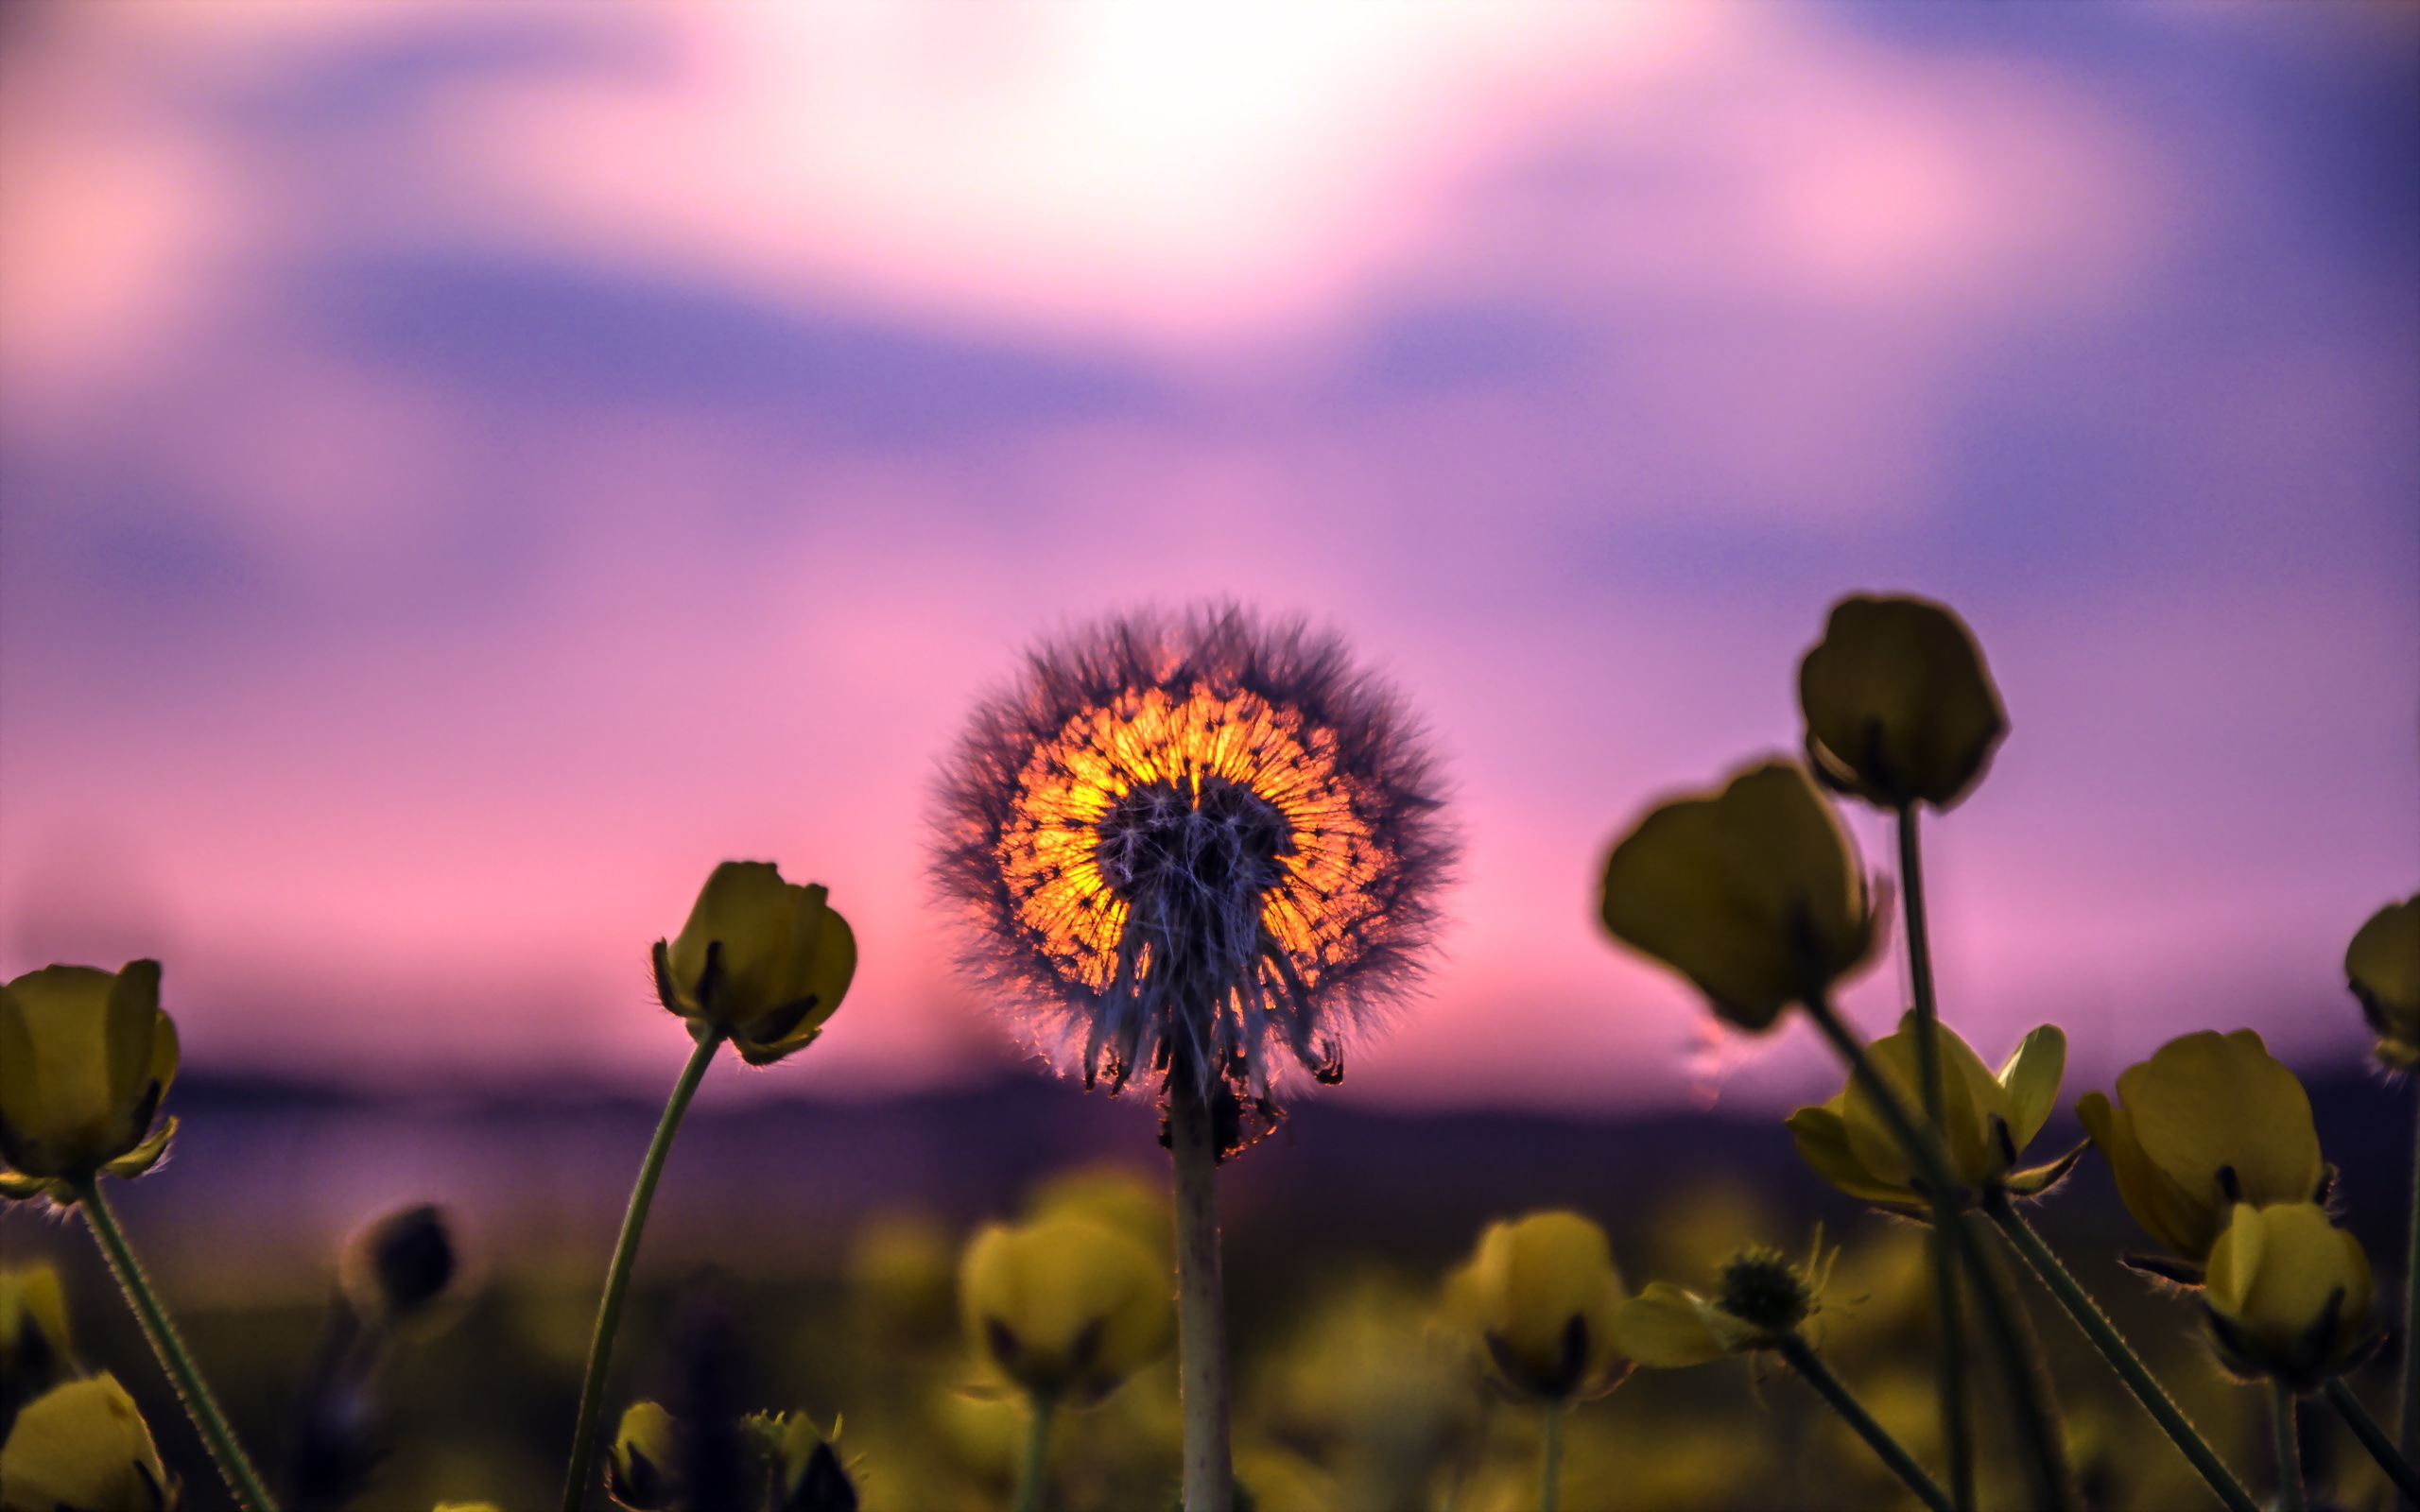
<point>1899,707</point>
<point>2288,1294</point>
<point>1542,1293</point>
<point>1064,1306</point>
<point>762,960</point>
<point>85,1056</point>
<point>2382,966</point>
<point>642,1467</point>
<point>82,1446</point>
<point>1753,894</point>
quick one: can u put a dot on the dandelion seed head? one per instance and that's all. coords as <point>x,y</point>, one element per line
<point>1195,842</point>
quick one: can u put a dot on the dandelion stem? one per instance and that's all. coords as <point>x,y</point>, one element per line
<point>2121,1356</point>
<point>2028,1390</point>
<point>1201,1297</point>
<point>1802,1359</point>
<point>618,1275</point>
<point>1550,1461</point>
<point>2411,1403</point>
<point>2289,1454</point>
<point>1956,1425</point>
<point>228,1454</point>
<point>2373,1437</point>
<point>1037,1450</point>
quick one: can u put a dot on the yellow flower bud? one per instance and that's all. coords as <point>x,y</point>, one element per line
<point>1543,1294</point>
<point>1987,1120</point>
<point>762,960</point>
<point>1752,894</point>
<point>2210,1121</point>
<point>1065,1307</point>
<point>2288,1294</point>
<point>85,1056</point>
<point>1899,707</point>
<point>642,1469</point>
<point>35,1354</point>
<point>2382,966</point>
<point>83,1445</point>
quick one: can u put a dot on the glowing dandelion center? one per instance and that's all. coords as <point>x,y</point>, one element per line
<point>1185,844</point>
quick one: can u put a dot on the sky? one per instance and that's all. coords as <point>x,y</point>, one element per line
<point>466,470</point>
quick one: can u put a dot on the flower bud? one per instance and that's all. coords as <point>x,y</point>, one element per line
<point>642,1469</point>
<point>82,1445</point>
<point>2288,1294</point>
<point>398,1267</point>
<point>35,1354</point>
<point>803,1471</point>
<point>2210,1121</point>
<point>2382,966</point>
<point>1765,1296</point>
<point>1543,1293</point>
<point>1065,1307</point>
<point>1899,707</point>
<point>762,960</point>
<point>85,1056</point>
<point>1752,894</point>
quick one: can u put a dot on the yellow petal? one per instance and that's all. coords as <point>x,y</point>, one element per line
<point>82,1445</point>
<point>132,1020</point>
<point>2031,1080</point>
<point>2161,1206</point>
<point>1664,1328</point>
<point>2382,966</point>
<point>1668,893</point>
<point>2206,1100</point>
<point>1824,1144</point>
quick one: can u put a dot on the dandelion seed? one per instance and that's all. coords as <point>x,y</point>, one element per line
<point>1196,846</point>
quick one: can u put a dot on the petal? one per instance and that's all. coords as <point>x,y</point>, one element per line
<point>2207,1100</point>
<point>132,1019</point>
<point>2031,1080</point>
<point>1662,1328</point>
<point>2149,1193</point>
<point>1824,1144</point>
<point>2235,1262</point>
<point>1667,893</point>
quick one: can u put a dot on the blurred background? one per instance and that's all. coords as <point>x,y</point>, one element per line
<point>466,470</point>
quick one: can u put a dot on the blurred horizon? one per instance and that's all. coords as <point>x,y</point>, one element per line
<point>466,470</point>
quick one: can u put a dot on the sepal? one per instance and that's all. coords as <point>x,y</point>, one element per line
<point>144,1156</point>
<point>2041,1178</point>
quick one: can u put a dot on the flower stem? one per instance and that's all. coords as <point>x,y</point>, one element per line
<point>2029,1392</point>
<point>1802,1359</point>
<point>1037,1450</point>
<point>1200,1299</point>
<point>1550,1461</point>
<point>244,1481</point>
<point>2373,1437</point>
<point>618,1275</point>
<point>2119,1354</point>
<point>2410,1404</point>
<point>1956,1430</point>
<point>2289,1454</point>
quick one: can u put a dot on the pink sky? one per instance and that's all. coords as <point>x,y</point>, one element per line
<point>467,471</point>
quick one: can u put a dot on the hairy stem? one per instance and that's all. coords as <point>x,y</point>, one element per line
<point>1037,1451</point>
<point>228,1454</point>
<point>1956,1430</point>
<point>1550,1461</point>
<point>1200,1299</point>
<point>2365,1428</point>
<point>1802,1359</point>
<point>2119,1354</point>
<point>618,1275</point>
<point>2289,1454</point>
<point>2028,1390</point>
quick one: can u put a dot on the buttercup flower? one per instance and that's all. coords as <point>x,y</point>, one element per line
<point>82,1446</point>
<point>2288,1294</point>
<point>2382,966</point>
<point>2210,1121</point>
<point>1188,844</point>
<point>642,1467</point>
<point>1066,1308</point>
<point>762,960</point>
<point>85,1056</point>
<point>1899,707</point>
<point>1763,1298</point>
<point>1542,1293</point>
<point>1987,1120</point>
<point>1754,893</point>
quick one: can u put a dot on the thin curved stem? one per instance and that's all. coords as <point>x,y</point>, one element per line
<point>1200,1299</point>
<point>1550,1461</point>
<point>1802,1359</point>
<point>225,1451</point>
<point>2028,1381</point>
<point>1956,1430</point>
<point>2121,1356</point>
<point>2373,1437</point>
<point>618,1275</point>
<point>2289,1454</point>
<point>1037,1451</point>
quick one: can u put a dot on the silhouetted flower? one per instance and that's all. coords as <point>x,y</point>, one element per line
<point>762,960</point>
<point>2382,966</point>
<point>1186,842</point>
<point>1899,707</point>
<point>85,1056</point>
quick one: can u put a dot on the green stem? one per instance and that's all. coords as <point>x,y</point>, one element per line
<point>2028,1383</point>
<point>244,1481</point>
<point>1806,1362</point>
<point>2289,1454</point>
<point>1550,1461</point>
<point>2410,1404</point>
<point>2373,1437</point>
<point>1956,1425</point>
<point>1200,1299</point>
<point>1037,1451</point>
<point>618,1275</point>
<point>2119,1354</point>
